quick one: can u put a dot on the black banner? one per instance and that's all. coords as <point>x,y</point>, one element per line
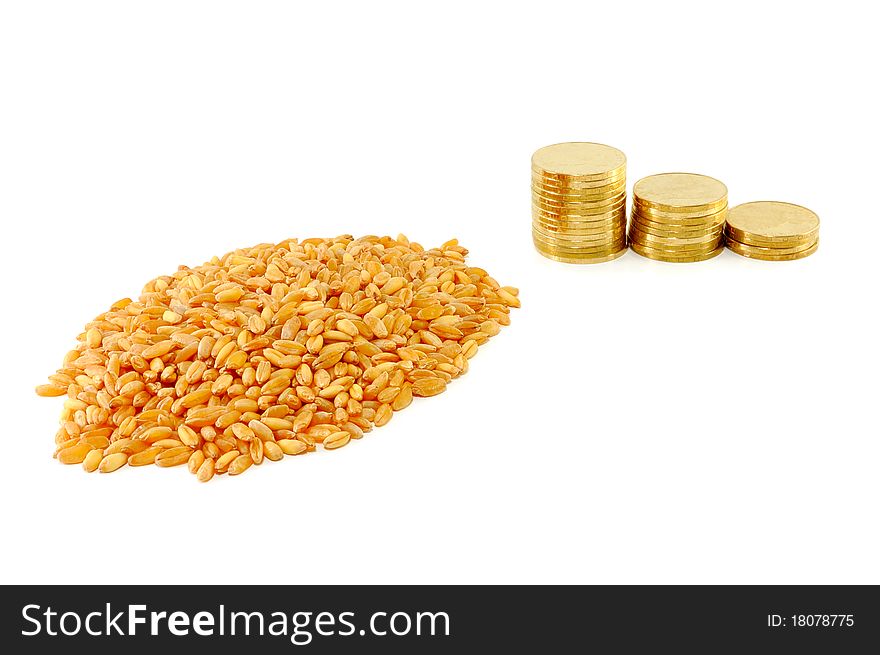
<point>290,619</point>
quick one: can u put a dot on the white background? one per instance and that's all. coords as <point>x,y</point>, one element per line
<point>639,422</point>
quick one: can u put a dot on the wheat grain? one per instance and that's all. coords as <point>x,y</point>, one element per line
<point>206,470</point>
<point>266,351</point>
<point>336,440</point>
<point>173,456</point>
<point>112,462</point>
<point>92,460</point>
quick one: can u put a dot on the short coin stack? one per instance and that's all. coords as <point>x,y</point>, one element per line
<point>678,217</point>
<point>579,202</point>
<point>773,231</point>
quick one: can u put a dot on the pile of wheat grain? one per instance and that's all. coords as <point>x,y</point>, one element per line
<point>268,351</point>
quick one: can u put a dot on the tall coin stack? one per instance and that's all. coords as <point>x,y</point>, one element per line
<point>579,202</point>
<point>773,231</point>
<point>678,217</point>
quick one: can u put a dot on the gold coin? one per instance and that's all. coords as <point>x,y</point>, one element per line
<point>765,243</point>
<point>673,242</point>
<point>773,254</point>
<point>580,259</point>
<point>579,252</point>
<point>772,251</point>
<point>575,247</point>
<point>665,257</point>
<point>696,217</point>
<point>570,224</point>
<point>685,218</point>
<point>672,251</point>
<point>566,224</point>
<point>575,232</point>
<point>600,248</point>
<point>569,216</point>
<point>566,217</point>
<point>554,179</point>
<point>681,192</point>
<point>584,213</point>
<point>772,221</point>
<point>648,239</point>
<point>676,232</point>
<point>605,240</point>
<point>556,201</point>
<point>577,185</point>
<point>692,229</point>
<point>609,223</point>
<point>551,233</point>
<point>584,228</point>
<point>581,196</point>
<point>581,161</point>
<point>599,203</point>
<point>597,251</point>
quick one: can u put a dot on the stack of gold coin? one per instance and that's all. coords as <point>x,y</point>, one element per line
<point>773,231</point>
<point>579,202</point>
<point>678,217</point>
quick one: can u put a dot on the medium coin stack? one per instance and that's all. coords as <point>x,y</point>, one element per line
<point>773,231</point>
<point>678,217</point>
<point>579,202</point>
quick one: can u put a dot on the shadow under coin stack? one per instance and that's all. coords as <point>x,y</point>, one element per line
<point>772,231</point>
<point>579,202</point>
<point>678,217</point>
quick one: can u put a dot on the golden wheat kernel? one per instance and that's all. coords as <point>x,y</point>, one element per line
<point>346,326</point>
<point>188,436</point>
<point>240,464</point>
<point>292,446</point>
<point>272,451</point>
<point>404,398</point>
<point>165,444</point>
<point>173,456</point>
<point>225,442</point>
<point>275,386</point>
<point>428,386</point>
<point>260,430</point>
<point>195,461</point>
<point>256,324</point>
<point>74,454</point>
<point>93,337</point>
<point>302,420</point>
<point>63,441</point>
<point>159,349</point>
<point>304,374</point>
<point>205,471</point>
<point>242,431</point>
<point>383,415</point>
<point>153,434</point>
<point>490,327</point>
<point>274,423</point>
<point>388,394</point>
<point>236,360</point>
<point>336,440</point>
<point>96,440</point>
<point>112,462</point>
<point>224,460</point>
<point>144,457</point>
<point>92,460</point>
<point>255,449</point>
<point>229,295</point>
<point>354,430</point>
